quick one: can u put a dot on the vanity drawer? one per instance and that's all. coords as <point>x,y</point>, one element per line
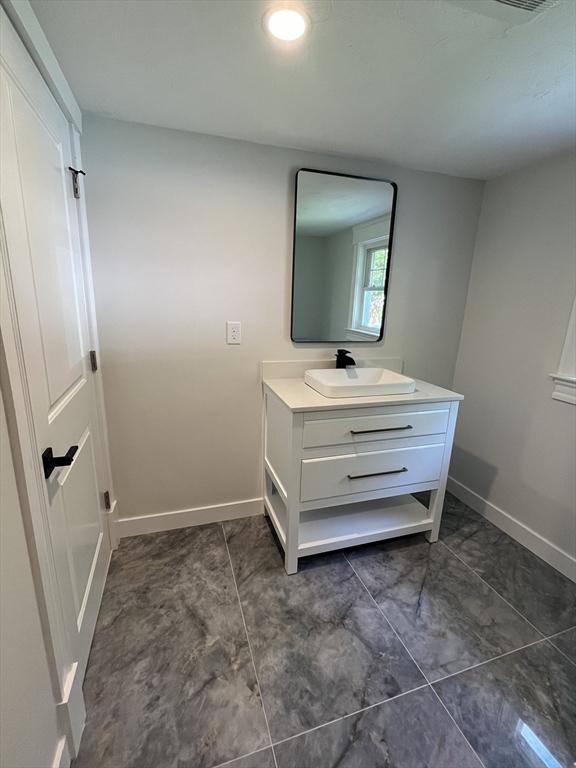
<point>384,426</point>
<point>369,471</point>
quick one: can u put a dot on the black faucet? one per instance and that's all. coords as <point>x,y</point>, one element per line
<point>343,359</point>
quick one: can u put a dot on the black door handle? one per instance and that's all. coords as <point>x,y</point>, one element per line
<point>50,462</point>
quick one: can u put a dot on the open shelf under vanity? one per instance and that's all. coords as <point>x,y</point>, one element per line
<point>347,525</point>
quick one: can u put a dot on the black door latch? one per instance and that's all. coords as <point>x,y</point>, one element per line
<point>75,185</point>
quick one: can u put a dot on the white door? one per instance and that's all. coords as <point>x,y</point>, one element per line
<point>46,284</point>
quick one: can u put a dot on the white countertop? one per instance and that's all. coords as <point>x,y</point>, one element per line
<point>298,396</point>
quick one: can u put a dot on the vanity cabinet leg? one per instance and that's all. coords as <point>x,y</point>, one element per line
<point>291,550</point>
<point>435,509</point>
<point>437,496</point>
<point>290,563</point>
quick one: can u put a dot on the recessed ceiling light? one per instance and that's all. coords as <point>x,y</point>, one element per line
<point>286,23</point>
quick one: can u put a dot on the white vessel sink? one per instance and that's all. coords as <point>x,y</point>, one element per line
<point>358,382</point>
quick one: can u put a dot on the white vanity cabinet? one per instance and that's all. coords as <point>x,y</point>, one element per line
<point>340,472</point>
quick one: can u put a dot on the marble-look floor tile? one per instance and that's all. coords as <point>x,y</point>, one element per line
<point>447,617</point>
<point>170,680</point>
<point>321,647</point>
<point>566,642</point>
<point>412,731</point>
<point>518,711</point>
<point>538,591</point>
<point>262,759</point>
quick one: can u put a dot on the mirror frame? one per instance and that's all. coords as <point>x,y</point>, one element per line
<point>390,246</point>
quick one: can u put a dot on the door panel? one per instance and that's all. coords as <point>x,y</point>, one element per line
<point>78,484</point>
<point>43,184</point>
<point>45,280</point>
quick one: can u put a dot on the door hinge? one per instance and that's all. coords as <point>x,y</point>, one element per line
<point>75,185</point>
<point>107,503</point>
<point>93,360</point>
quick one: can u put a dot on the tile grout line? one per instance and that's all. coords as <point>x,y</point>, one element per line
<point>487,661</point>
<point>327,723</point>
<point>427,684</point>
<point>541,639</point>
<point>241,757</point>
<point>561,652</point>
<point>350,714</point>
<point>249,644</point>
<point>509,604</point>
<point>550,639</point>
<point>562,631</point>
<point>460,731</point>
<point>451,716</point>
<point>387,620</point>
<point>360,711</point>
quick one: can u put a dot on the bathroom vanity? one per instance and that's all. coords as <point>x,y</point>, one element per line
<point>341,471</point>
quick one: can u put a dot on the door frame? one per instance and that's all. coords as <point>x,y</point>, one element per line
<point>20,26</point>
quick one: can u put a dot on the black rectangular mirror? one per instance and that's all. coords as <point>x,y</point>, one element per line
<point>343,228</point>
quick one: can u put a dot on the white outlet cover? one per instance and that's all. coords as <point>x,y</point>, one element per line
<point>233,332</point>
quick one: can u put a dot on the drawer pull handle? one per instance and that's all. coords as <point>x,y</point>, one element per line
<point>375,474</point>
<point>383,429</point>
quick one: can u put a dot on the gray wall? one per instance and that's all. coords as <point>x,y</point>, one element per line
<point>341,275</point>
<point>311,297</point>
<point>323,282</point>
<point>515,445</point>
<point>188,231</point>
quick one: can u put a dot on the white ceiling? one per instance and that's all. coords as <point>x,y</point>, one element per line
<point>328,204</point>
<point>423,83</point>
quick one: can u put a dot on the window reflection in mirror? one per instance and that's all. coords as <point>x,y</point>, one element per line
<point>342,243</point>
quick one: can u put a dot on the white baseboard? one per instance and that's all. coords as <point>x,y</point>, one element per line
<point>535,542</point>
<point>184,518</point>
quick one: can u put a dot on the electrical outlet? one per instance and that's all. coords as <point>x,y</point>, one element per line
<point>233,332</point>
